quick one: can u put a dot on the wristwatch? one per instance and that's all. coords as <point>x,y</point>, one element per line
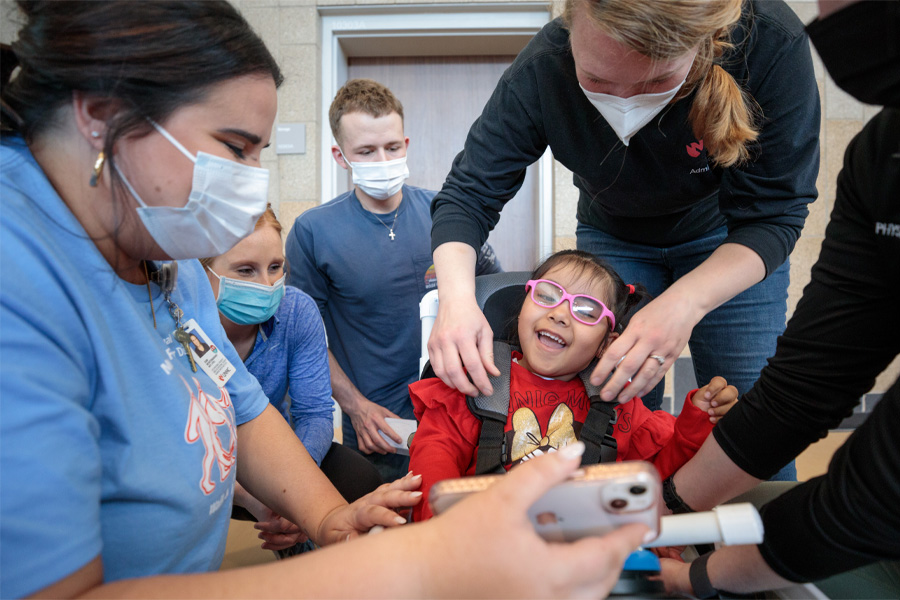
<point>700,578</point>
<point>672,499</point>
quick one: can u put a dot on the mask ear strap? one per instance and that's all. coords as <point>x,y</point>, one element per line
<point>214,273</point>
<point>344,156</point>
<point>219,277</point>
<point>128,185</point>
<point>175,142</point>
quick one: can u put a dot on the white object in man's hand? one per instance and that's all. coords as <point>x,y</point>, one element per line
<point>404,428</point>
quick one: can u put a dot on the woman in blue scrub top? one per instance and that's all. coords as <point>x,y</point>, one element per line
<point>132,135</point>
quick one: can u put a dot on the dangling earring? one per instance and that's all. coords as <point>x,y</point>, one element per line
<point>98,169</point>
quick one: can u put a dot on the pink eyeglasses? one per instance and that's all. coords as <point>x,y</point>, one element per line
<point>584,309</point>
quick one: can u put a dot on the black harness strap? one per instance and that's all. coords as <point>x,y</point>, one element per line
<point>492,411</point>
<point>596,433</point>
<point>491,447</point>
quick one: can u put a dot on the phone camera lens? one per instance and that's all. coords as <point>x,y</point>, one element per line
<point>618,503</point>
<point>637,490</point>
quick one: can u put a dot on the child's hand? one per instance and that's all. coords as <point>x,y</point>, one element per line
<point>673,552</point>
<point>675,576</point>
<point>716,398</point>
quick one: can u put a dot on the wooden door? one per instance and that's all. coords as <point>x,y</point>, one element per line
<point>442,96</point>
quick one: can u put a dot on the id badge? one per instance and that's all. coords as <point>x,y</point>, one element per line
<point>207,356</point>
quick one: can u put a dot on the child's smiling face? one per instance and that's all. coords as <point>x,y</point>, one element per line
<point>554,344</point>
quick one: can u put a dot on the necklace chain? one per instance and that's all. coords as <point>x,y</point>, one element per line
<point>394,222</point>
<point>150,294</point>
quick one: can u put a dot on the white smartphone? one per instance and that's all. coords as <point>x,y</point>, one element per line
<point>596,500</point>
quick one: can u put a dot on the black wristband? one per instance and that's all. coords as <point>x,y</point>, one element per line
<point>700,578</point>
<point>672,499</point>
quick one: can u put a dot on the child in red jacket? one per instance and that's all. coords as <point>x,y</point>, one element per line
<point>563,325</point>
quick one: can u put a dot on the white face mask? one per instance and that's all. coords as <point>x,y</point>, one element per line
<point>627,115</point>
<point>379,180</point>
<point>226,200</point>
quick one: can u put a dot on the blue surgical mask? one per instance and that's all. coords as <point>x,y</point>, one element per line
<point>248,303</point>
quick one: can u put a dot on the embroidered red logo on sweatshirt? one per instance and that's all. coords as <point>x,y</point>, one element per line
<point>694,148</point>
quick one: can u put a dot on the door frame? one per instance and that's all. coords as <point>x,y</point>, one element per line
<point>449,29</point>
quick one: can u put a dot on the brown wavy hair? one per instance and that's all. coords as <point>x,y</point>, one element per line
<point>722,114</point>
<point>362,95</point>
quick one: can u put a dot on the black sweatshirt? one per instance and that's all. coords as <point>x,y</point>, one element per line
<point>660,190</point>
<point>845,331</point>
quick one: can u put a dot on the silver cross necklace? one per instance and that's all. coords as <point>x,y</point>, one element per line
<point>394,222</point>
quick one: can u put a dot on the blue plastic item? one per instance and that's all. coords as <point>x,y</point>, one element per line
<point>642,560</point>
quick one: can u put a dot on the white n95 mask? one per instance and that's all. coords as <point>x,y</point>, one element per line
<point>627,115</point>
<point>226,201</point>
<point>379,180</point>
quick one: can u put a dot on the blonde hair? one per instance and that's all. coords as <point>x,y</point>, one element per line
<point>722,114</point>
<point>268,219</point>
<point>362,95</point>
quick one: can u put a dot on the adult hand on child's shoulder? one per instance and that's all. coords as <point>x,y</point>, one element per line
<point>484,527</point>
<point>462,346</point>
<point>715,398</point>
<point>642,354</point>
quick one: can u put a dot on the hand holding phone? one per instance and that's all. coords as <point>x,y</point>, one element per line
<point>594,501</point>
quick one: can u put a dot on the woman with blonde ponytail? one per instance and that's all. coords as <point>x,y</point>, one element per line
<point>691,128</point>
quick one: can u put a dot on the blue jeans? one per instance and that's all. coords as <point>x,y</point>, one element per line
<point>734,340</point>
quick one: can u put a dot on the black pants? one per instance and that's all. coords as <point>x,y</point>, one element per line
<point>350,472</point>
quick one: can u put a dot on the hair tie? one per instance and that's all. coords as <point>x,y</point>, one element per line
<point>630,288</point>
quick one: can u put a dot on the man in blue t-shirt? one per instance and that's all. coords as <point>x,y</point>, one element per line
<point>365,258</point>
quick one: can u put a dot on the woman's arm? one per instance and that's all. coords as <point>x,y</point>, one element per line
<point>737,569</point>
<point>461,340</point>
<point>711,478</point>
<point>309,384</point>
<point>290,483</point>
<point>301,493</point>
<point>464,553</point>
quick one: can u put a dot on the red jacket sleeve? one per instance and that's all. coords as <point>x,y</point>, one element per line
<point>445,441</point>
<point>665,441</point>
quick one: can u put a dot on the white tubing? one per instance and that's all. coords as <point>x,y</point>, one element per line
<point>730,524</point>
<point>428,310</point>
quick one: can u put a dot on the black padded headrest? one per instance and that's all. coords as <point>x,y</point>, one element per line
<point>500,296</point>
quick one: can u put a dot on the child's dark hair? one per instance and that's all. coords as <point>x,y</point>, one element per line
<point>623,298</point>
